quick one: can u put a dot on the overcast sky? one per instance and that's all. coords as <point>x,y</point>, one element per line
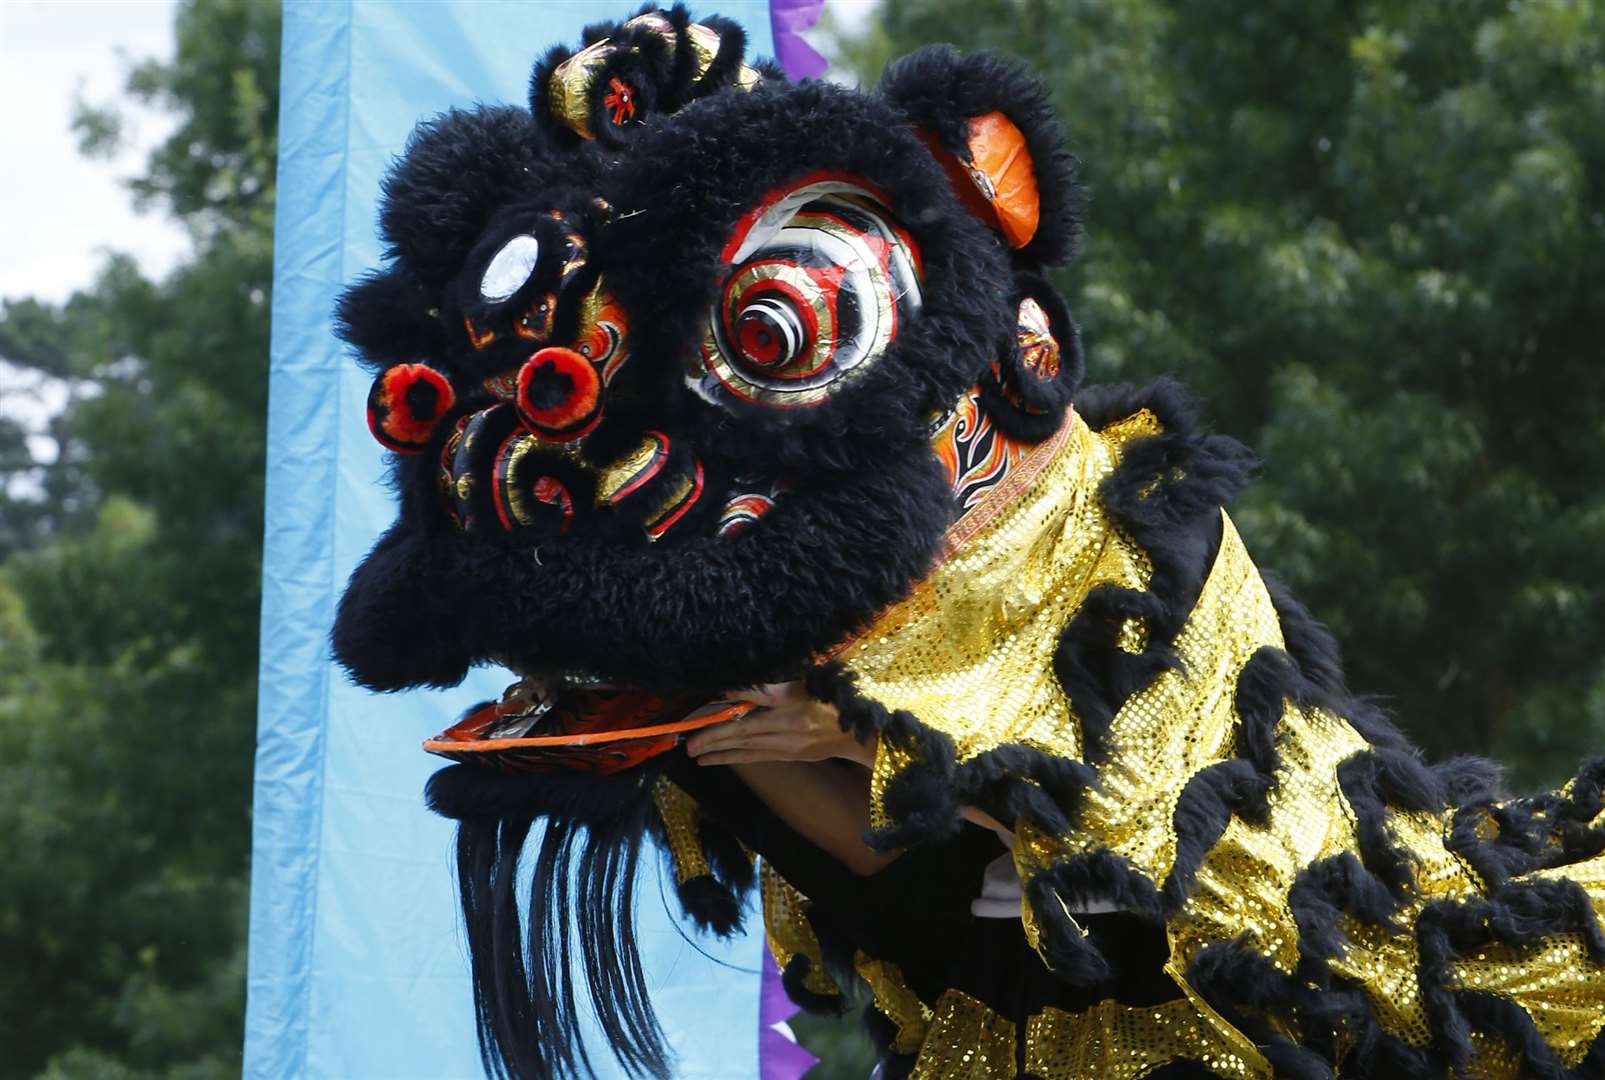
<point>59,213</point>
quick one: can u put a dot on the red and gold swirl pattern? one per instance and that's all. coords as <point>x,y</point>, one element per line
<point>821,280</point>
<point>974,453</point>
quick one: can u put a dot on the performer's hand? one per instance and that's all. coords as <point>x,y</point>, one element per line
<point>791,726</point>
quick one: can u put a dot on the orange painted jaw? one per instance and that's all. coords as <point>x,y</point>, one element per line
<point>597,731</point>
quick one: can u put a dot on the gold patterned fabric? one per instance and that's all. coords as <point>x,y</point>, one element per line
<point>896,1002</point>
<point>680,815</point>
<point>785,919</point>
<point>969,653</point>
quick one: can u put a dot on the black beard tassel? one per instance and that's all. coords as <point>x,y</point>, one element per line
<point>581,913</point>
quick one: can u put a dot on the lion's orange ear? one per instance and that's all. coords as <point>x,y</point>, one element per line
<point>990,126</point>
<point>997,183</point>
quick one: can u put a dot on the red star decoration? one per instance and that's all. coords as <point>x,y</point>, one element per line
<point>621,102</point>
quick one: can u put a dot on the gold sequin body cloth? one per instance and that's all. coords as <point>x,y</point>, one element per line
<point>970,654</point>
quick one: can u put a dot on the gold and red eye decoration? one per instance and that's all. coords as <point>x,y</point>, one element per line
<point>523,492</point>
<point>634,471</point>
<point>659,475</point>
<point>602,330</point>
<point>479,338</point>
<point>404,405</point>
<point>821,280</point>
<point>681,498</point>
<point>446,475</point>
<point>1039,349</point>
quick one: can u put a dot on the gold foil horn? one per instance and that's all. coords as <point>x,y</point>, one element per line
<point>570,84</point>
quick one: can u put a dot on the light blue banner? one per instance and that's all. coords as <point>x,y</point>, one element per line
<point>357,961</point>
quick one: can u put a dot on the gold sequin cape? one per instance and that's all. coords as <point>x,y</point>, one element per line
<point>1098,661</point>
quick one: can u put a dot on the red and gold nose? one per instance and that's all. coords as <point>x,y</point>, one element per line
<point>559,394</point>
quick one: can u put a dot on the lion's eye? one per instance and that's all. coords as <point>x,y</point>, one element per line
<point>821,280</point>
<point>509,268</point>
<point>771,333</point>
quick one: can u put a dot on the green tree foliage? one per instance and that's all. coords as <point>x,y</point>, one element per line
<point>128,602</point>
<point>1369,235</point>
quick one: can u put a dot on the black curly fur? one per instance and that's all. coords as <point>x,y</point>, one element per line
<point>1530,833</point>
<point>1065,946</point>
<point>713,906</point>
<point>794,980</point>
<point>1513,914</point>
<point>717,901</point>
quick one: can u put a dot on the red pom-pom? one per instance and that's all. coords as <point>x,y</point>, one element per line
<point>559,394</point>
<point>405,404</point>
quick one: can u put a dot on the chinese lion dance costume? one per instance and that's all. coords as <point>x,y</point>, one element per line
<point>699,379</point>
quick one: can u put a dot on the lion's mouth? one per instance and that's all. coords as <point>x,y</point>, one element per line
<point>542,724</point>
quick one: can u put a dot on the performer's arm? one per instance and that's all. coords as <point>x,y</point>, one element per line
<point>795,756</point>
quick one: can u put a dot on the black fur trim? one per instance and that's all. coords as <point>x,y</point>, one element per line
<point>1333,1016</point>
<point>717,901</point>
<point>731,863</point>
<point>1206,804</point>
<point>925,799</point>
<point>1530,833</point>
<point>1501,1017</point>
<point>1515,914</point>
<point>711,904</point>
<point>1242,987</point>
<point>1096,674</point>
<point>1167,494</point>
<point>1319,661</point>
<point>1264,686</point>
<point>1372,781</point>
<point>1103,875</point>
<point>1331,887</point>
<point>793,978</point>
<point>1024,405</point>
<point>463,792</point>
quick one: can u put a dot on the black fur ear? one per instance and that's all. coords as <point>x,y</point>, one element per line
<point>1037,374</point>
<point>974,112</point>
<point>458,170</point>
<point>390,318</point>
<point>654,64</point>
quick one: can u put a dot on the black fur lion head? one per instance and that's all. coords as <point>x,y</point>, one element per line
<point>660,355</point>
